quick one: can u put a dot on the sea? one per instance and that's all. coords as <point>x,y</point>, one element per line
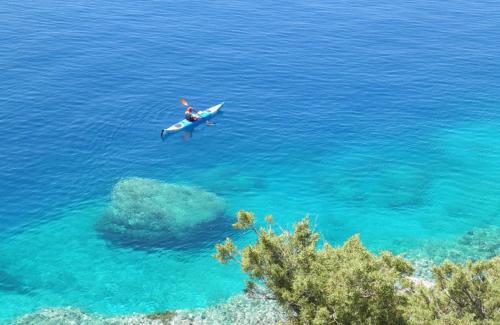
<point>377,118</point>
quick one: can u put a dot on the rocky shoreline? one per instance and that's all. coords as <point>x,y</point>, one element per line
<point>238,309</point>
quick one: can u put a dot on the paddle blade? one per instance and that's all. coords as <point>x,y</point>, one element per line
<point>184,102</point>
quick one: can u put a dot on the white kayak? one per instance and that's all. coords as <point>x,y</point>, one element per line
<point>203,115</point>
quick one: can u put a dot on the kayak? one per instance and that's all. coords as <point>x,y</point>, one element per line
<point>203,115</point>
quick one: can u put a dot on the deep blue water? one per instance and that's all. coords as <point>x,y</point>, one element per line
<point>379,118</point>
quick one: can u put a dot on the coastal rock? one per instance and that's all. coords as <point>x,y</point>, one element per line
<point>150,212</point>
<point>55,316</point>
<point>421,281</point>
<point>239,309</point>
<point>70,315</point>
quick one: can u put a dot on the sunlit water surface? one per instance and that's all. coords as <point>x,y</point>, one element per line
<point>377,118</point>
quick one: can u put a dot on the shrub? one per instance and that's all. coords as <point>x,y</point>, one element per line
<point>331,285</point>
<point>350,285</point>
<point>463,294</point>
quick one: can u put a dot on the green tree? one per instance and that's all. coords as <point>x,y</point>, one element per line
<point>331,285</point>
<point>349,285</point>
<point>463,294</point>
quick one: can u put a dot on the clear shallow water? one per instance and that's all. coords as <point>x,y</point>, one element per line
<point>375,119</point>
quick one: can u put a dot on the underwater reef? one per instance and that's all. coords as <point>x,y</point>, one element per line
<point>225,180</point>
<point>12,283</point>
<point>475,244</point>
<point>148,212</point>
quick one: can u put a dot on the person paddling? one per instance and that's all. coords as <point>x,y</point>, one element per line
<point>193,117</point>
<point>190,116</point>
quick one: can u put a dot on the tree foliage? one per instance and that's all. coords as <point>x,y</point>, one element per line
<point>463,294</point>
<point>350,285</point>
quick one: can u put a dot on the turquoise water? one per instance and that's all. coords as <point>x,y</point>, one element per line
<point>378,119</point>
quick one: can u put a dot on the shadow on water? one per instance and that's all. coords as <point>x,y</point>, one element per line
<point>203,236</point>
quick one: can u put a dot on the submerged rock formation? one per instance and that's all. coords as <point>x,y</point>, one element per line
<point>11,283</point>
<point>149,212</point>
<point>476,244</point>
